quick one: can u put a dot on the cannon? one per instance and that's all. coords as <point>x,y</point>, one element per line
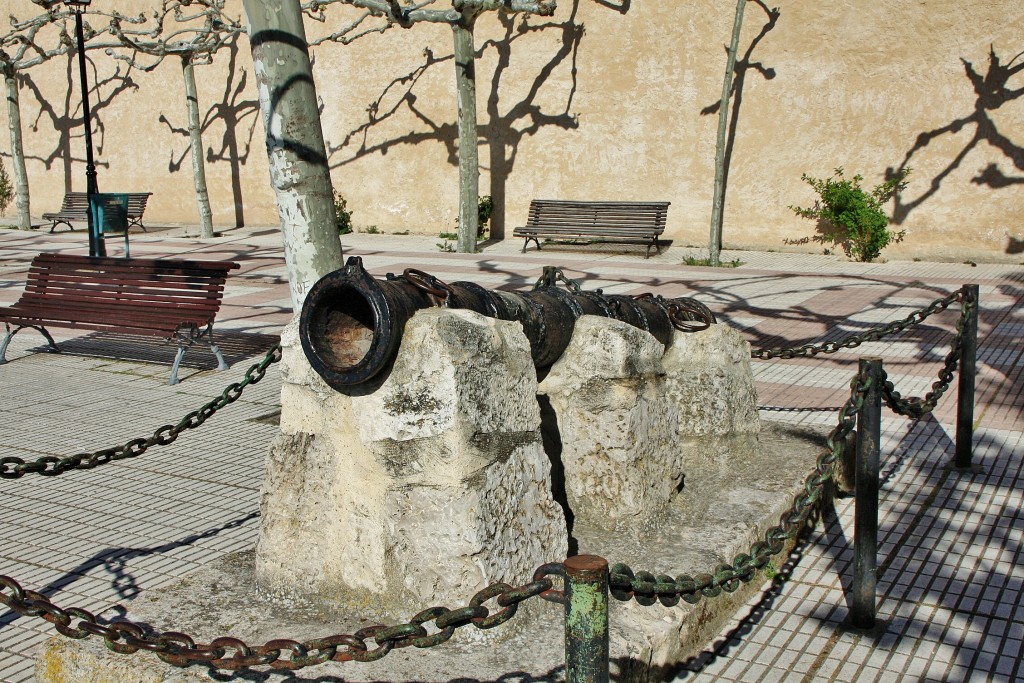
<point>351,323</point>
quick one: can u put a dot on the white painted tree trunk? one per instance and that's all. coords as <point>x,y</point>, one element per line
<point>295,142</point>
<point>717,207</point>
<point>195,136</point>
<point>469,165</point>
<point>17,151</point>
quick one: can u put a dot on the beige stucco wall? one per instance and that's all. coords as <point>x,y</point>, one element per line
<point>602,101</point>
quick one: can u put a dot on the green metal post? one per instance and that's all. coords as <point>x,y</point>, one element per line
<point>586,619</point>
<point>865,521</point>
<point>965,388</point>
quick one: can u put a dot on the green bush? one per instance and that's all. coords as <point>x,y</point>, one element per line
<point>484,209</point>
<point>6,189</point>
<point>342,216</point>
<point>852,218</point>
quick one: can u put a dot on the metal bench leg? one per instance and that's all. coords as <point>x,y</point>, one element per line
<point>657,248</point>
<point>174,367</point>
<point>7,340</point>
<point>221,363</point>
<point>51,348</point>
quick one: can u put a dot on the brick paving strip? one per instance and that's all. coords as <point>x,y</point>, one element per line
<point>951,570</point>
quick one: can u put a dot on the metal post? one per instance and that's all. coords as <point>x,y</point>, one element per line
<point>968,372</point>
<point>96,245</point>
<point>586,619</point>
<point>865,527</point>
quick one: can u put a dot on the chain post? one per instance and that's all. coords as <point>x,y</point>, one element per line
<point>865,533</point>
<point>965,388</point>
<point>586,619</point>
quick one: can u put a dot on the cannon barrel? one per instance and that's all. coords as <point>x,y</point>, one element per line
<point>351,323</point>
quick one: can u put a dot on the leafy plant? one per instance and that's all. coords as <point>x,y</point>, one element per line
<point>342,216</point>
<point>851,217</point>
<point>448,235</point>
<point>694,261</point>
<point>446,247</point>
<point>6,189</point>
<point>371,230</point>
<point>484,209</point>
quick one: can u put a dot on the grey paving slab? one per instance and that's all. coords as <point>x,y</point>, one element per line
<point>951,566</point>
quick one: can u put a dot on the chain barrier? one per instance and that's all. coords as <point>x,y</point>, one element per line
<point>915,407</point>
<point>227,653</point>
<point>12,467</point>
<point>648,588</point>
<point>552,275</point>
<point>855,340</point>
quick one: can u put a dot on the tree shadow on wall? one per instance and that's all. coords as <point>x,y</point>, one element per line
<point>231,112</point>
<point>740,69</point>
<point>502,131</point>
<point>992,92</point>
<point>67,118</point>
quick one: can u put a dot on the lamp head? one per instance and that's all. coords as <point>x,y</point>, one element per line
<point>78,4</point>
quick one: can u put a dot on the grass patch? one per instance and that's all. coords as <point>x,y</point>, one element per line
<point>694,261</point>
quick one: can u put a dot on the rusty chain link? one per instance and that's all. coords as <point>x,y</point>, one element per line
<point>915,407</point>
<point>179,649</point>
<point>648,588</point>
<point>12,467</point>
<point>855,340</point>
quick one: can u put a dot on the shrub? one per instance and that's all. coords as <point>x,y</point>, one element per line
<point>6,189</point>
<point>852,218</point>
<point>484,209</point>
<point>342,216</point>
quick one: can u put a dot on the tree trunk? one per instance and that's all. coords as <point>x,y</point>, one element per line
<point>195,137</point>
<point>715,239</point>
<point>295,143</point>
<point>469,163</point>
<point>17,151</point>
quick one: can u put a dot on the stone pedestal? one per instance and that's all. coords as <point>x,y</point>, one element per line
<point>709,382</point>
<point>428,485</point>
<point>617,425</point>
<point>638,423</point>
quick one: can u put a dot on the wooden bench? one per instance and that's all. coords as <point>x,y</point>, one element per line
<point>626,222</point>
<point>75,207</point>
<point>169,298</point>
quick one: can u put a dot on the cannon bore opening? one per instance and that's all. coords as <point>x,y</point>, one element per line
<point>342,329</point>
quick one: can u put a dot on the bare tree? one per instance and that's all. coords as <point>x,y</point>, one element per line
<point>191,31</point>
<point>296,151</point>
<point>715,238</point>
<point>22,48</point>
<point>461,17</point>
<point>723,147</point>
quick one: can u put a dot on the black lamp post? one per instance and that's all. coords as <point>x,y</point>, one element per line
<point>96,245</point>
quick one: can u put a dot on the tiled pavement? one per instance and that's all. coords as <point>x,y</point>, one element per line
<point>952,571</point>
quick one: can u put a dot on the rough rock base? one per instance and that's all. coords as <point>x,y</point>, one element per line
<point>752,488</point>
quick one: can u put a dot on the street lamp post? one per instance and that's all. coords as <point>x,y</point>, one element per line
<point>96,245</point>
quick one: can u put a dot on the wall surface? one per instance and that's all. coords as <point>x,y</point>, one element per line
<point>607,99</point>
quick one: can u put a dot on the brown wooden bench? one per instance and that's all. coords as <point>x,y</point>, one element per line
<point>625,222</point>
<point>169,298</point>
<point>75,207</point>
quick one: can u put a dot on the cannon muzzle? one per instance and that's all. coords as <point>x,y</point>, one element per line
<point>351,323</point>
